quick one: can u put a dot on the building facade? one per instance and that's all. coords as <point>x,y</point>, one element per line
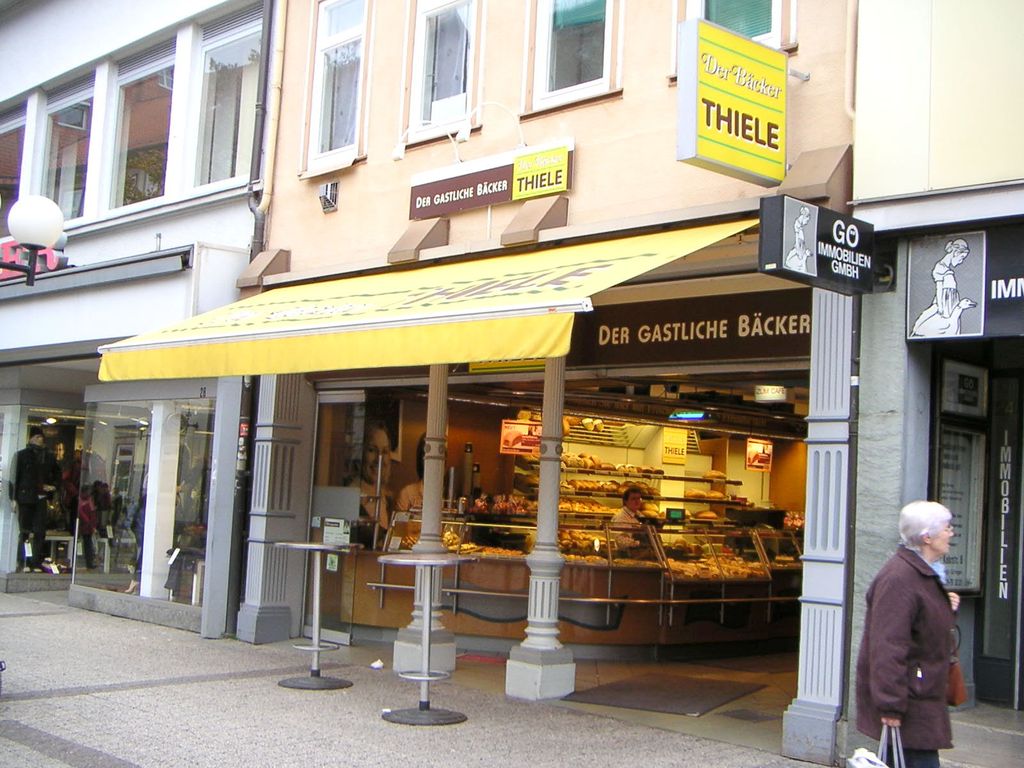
<point>140,125</point>
<point>944,193</point>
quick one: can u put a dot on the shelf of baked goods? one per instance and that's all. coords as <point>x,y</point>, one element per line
<point>702,556</point>
<point>588,464</point>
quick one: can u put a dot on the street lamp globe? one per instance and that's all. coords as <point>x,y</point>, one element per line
<point>35,221</point>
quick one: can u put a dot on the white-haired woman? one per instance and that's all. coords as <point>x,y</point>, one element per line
<point>903,665</point>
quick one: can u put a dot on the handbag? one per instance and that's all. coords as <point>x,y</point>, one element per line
<point>956,688</point>
<point>865,758</point>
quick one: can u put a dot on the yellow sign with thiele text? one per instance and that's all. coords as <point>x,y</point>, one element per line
<point>673,446</point>
<point>732,104</point>
<point>540,173</point>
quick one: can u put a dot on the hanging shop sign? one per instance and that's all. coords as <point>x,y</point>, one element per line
<point>673,446</point>
<point>732,104</point>
<point>966,285</point>
<point>816,246</point>
<point>519,175</point>
<point>766,324</point>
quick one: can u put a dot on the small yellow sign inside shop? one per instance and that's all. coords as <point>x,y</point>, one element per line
<point>732,104</point>
<point>673,446</point>
<point>540,173</point>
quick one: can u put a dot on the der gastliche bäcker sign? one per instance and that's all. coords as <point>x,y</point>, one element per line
<point>816,246</point>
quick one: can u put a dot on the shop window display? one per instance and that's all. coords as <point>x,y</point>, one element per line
<point>130,447</point>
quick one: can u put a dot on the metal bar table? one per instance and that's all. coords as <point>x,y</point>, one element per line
<point>315,681</point>
<point>430,562</point>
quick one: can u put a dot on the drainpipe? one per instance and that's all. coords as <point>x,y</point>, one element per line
<point>256,164</point>
<point>273,111</point>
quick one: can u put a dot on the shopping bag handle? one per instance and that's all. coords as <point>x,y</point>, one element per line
<point>898,761</point>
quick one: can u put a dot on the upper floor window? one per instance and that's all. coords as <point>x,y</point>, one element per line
<point>574,50</point>
<point>442,61</point>
<point>337,79</point>
<point>760,20</point>
<point>69,121</point>
<point>12,141</point>
<point>143,125</point>
<point>227,110</point>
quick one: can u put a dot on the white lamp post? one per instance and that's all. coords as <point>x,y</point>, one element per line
<point>37,223</point>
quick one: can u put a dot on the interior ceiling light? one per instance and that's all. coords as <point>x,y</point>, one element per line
<point>687,414</point>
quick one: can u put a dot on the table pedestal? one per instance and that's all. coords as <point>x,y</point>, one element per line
<point>315,681</point>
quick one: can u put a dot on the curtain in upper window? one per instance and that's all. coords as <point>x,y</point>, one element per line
<point>446,63</point>
<point>338,76</point>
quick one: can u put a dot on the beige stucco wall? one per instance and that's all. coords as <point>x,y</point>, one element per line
<point>625,147</point>
<point>937,105</point>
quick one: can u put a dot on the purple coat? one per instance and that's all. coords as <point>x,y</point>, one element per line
<point>903,665</point>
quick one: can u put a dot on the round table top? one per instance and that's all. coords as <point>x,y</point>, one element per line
<point>424,558</point>
<point>316,546</point>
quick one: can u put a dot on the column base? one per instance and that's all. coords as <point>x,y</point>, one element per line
<point>537,675</point>
<point>266,624</point>
<point>809,732</point>
<point>408,653</point>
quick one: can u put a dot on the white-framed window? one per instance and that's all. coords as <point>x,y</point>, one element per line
<point>760,20</point>
<point>443,62</point>
<point>145,85</point>
<point>12,144</point>
<point>574,50</point>
<point>337,83</point>
<point>68,127</point>
<point>230,65</point>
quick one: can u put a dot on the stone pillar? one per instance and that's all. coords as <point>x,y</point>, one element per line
<point>894,422</point>
<point>408,653</point>
<point>809,724</point>
<point>279,509</point>
<point>540,667</point>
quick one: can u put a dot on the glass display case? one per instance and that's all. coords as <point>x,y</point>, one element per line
<point>688,556</point>
<point>781,550</point>
<point>738,555</point>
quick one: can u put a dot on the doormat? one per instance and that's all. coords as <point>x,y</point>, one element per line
<point>481,658</point>
<point>673,694</point>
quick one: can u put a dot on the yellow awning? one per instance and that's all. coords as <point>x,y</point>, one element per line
<point>503,308</point>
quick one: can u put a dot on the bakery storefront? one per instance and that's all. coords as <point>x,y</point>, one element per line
<point>717,557</point>
<point>539,386</point>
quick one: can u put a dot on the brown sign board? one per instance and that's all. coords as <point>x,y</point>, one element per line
<point>527,173</point>
<point>767,324</point>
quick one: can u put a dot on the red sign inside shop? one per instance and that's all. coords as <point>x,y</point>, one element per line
<point>12,253</point>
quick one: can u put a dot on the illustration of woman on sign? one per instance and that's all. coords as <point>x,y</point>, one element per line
<point>942,316</point>
<point>797,257</point>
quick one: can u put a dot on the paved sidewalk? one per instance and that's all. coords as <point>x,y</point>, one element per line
<point>84,689</point>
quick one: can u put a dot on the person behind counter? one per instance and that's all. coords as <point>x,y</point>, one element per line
<point>629,516</point>
<point>903,664</point>
<point>411,495</point>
